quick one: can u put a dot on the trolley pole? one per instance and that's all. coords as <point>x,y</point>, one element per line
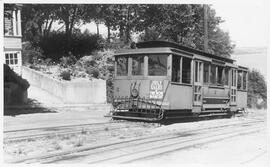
<point>205,21</point>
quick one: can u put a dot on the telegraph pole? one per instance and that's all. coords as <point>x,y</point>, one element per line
<point>205,21</point>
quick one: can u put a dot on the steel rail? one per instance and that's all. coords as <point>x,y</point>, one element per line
<point>152,138</point>
<point>126,155</point>
<point>61,132</point>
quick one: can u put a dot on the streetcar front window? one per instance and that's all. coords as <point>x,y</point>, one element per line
<point>122,66</point>
<point>157,65</point>
<point>137,65</point>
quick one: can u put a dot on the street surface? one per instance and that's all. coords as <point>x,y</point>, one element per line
<point>80,134</point>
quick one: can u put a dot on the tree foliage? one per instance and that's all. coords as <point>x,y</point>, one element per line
<point>257,89</point>
<point>37,21</point>
<point>181,23</point>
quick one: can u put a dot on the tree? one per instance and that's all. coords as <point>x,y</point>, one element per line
<point>107,13</point>
<point>183,24</point>
<point>71,15</point>
<point>37,21</point>
<point>172,22</point>
<point>257,88</point>
<point>122,17</point>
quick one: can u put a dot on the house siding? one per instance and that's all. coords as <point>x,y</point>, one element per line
<point>12,43</point>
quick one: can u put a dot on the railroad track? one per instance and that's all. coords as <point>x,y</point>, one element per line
<point>37,133</point>
<point>144,147</point>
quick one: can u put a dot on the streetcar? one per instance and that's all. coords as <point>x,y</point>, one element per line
<point>160,80</point>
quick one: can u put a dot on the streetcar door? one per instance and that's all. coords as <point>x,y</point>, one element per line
<point>198,79</point>
<point>233,87</point>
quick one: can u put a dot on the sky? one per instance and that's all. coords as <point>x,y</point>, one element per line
<point>246,22</point>
<point>248,25</point>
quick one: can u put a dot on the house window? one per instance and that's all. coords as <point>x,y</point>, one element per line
<point>8,23</point>
<point>137,65</point>
<point>12,23</point>
<point>11,58</point>
<point>157,65</point>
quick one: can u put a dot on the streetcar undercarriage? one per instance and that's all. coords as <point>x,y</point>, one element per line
<point>143,109</point>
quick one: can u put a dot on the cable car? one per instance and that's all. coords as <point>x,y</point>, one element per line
<point>163,80</point>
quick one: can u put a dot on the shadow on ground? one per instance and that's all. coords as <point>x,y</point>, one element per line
<point>181,120</point>
<point>33,106</point>
<point>195,119</point>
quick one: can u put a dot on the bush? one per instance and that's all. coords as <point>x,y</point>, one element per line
<point>65,75</point>
<point>55,44</point>
<point>98,65</point>
<point>11,76</point>
<point>93,72</point>
<point>30,54</point>
<point>67,61</point>
<point>257,90</point>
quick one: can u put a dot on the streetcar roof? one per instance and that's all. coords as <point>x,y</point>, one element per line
<point>150,47</point>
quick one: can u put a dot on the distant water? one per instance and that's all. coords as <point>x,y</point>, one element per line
<point>253,58</point>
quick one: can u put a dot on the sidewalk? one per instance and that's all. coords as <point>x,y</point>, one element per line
<point>47,111</point>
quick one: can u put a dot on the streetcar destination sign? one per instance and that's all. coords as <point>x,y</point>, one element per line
<point>156,90</point>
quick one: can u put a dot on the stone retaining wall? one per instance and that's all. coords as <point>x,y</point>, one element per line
<point>71,92</point>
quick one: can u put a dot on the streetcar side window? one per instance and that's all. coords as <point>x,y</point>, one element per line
<point>226,77</point>
<point>137,65</point>
<point>206,72</point>
<point>233,77</point>
<point>186,70</point>
<point>213,74</point>
<point>176,68</point>
<point>239,80</point>
<point>157,65</point>
<point>220,75</point>
<point>122,66</point>
<point>244,80</point>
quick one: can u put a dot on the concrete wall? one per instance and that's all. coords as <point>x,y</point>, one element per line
<point>71,92</point>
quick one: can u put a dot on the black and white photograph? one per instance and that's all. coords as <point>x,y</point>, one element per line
<point>142,83</point>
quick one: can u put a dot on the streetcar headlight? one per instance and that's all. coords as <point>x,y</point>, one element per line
<point>134,93</point>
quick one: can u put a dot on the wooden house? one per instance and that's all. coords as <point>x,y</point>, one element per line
<point>13,37</point>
